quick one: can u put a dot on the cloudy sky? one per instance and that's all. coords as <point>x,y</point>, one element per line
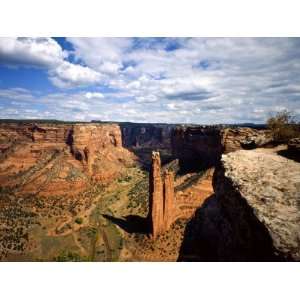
<point>174,80</point>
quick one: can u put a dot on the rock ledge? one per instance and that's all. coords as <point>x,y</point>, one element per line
<point>270,185</point>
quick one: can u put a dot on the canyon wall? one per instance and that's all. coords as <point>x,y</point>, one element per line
<point>254,214</point>
<point>88,142</point>
<point>202,146</point>
<point>59,158</point>
<point>196,146</point>
<point>142,139</point>
<point>146,135</point>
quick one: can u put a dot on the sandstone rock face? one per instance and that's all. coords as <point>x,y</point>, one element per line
<point>254,214</point>
<point>60,158</point>
<point>270,186</point>
<point>197,146</point>
<point>143,138</point>
<point>202,146</point>
<point>169,198</point>
<point>156,196</point>
<point>152,136</point>
<point>87,141</point>
<point>244,138</point>
<point>48,134</point>
<point>161,197</point>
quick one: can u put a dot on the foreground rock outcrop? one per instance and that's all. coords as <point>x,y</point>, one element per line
<point>254,214</point>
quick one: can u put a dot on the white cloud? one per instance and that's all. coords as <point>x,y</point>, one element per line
<point>38,52</point>
<point>102,54</point>
<point>70,75</point>
<point>110,68</point>
<point>46,53</point>
<point>16,94</point>
<point>90,95</point>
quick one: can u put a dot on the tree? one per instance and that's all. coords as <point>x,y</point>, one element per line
<point>283,127</point>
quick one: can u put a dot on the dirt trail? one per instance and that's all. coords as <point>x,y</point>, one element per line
<point>53,231</point>
<point>108,250</point>
<point>78,244</point>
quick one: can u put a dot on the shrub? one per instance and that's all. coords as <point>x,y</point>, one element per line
<point>283,127</point>
<point>70,256</point>
<point>79,221</point>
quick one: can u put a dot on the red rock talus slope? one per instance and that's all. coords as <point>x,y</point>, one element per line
<point>54,159</point>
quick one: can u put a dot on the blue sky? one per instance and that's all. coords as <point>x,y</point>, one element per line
<point>174,80</point>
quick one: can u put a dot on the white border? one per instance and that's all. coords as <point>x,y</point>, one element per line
<point>149,281</point>
<point>237,18</point>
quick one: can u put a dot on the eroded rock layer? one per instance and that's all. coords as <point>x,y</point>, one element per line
<point>54,159</point>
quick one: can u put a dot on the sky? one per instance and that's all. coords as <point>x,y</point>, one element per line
<point>167,80</point>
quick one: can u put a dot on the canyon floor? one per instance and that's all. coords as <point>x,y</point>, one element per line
<point>103,223</point>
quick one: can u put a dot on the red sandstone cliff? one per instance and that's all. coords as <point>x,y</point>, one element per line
<point>55,159</point>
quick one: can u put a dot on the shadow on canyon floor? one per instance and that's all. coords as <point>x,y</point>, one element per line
<point>131,223</point>
<point>211,236</point>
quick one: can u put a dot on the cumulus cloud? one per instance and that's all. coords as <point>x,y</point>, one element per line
<point>69,75</point>
<point>102,54</point>
<point>37,52</point>
<point>46,53</point>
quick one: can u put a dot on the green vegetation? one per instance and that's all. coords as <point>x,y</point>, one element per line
<point>283,127</point>
<point>70,256</point>
<point>126,178</point>
<point>16,220</point>
<point>37,227</point>
<point>79,220</point>
<point>138,197</point>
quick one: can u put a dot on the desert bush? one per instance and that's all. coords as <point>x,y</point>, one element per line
<point>66,256</point>
<point>79,220</point>
<point>283,127</point>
